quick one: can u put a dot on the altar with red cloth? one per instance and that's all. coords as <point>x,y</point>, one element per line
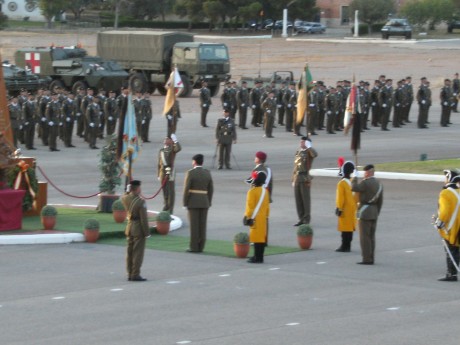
<point>11,209</point>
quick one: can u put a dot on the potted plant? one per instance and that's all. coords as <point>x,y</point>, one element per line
<point>118,211</point>
<point>48,217</point>
<point>110,180</point>
<point>305,236</point>
<point>163,222</point>
<point>241,245</point>
<point>91,230</point>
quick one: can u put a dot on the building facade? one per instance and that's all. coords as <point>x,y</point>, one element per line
<point>21,10</point>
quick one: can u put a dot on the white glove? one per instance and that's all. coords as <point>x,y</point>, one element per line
<point>110,118</point>
<point>253,107</point>
<point>51,123</point>
<point>20,126</point>
<point>373,104</point>
<point>289,105</point>
<point>455,94</point>
<point>445,103</point>
<point>158,178</point>
<point>279,106</point>
<point>329,112</point>
<point>243,104</point>
<point>423,101</point>
<point>312,105</point>
<point>169,117</point>
<point>27,123</point>
<point>78,114</point>
<point>293,184</point>
<point>60,123</point>
<point>384,106</point>
<point>204,105</point>
<point>356,173</point>
<point>308,144</point>
<point>225,104</point>
<point>269,111</point>
<point>43,119</point>
<point>100,113</point>
<point>100,125</point>
<point>398,104</point>
<point>91,124</point>
<point>174,138</point>
<point>68,119</point>
<point>143,122</point>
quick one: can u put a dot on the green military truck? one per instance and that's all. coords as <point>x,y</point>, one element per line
<point>72,68</point>
<point>149,56</point>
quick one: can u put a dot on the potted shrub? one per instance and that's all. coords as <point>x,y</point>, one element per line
<point>163,222</point>
<point>118,211</point>
<point>241,245</point>
<point>48,217</point>
<point>305,236</point>
<point>91,230</point>
<point>110,169</point>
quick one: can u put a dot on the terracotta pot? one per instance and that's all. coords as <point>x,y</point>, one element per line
<point>119,216</point>
<point>305,241</point>
<point>91,236</point>
<point>241,249</point>
<point>48,222</point>
<point>163,227</point>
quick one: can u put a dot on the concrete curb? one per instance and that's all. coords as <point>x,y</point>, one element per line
<point>383,175</point>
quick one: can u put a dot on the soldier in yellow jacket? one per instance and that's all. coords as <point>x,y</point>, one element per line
<point>256,215</point>
<point>448,222</point>
<point>345,203</point>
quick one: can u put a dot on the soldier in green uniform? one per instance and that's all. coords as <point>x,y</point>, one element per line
<point>225,137</point>
<point>85,102</point>
<point>332,110</point>
<point>146,109</point>
<point>409,97</point>
<point>386,102</point>
<point>269,108</point>
<point>321,105</point>
<point>15,117</point>
<point>111,113</point>
<point>375,107</point>
<point>69,109</point>
<point>254,101</point>
<point>301,180</point>
<point>137,230</point>
<point>172,117</point>
<point>79,115</point>
<point>290,101</point>
<point>205,102</point>
<point>399,100</point>
<point>242,100</point>
<point>166,171</point>
<point>93,119</point>
<point>137,103</point>
<point>424,101</point>
<point>43,126</point>
<point>53,117</point>
<point>280,103</point>
<point>313,108</point>
<point>28,118</point>
<point>446,97</point>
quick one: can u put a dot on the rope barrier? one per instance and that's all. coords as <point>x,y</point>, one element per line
<point>158,191</point>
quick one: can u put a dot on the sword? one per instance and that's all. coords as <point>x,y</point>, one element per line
<point>446,247</point>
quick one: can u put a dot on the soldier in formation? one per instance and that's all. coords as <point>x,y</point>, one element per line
<point>205,102</point>
<point>225,137</point>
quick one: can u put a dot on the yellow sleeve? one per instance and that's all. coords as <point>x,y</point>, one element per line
<point>251,203</point>
<point>340,196</point>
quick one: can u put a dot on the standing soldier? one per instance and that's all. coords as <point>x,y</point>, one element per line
<point>280,103</point>
<point>28,118</point>
<point>385,102</point>
<point>375,106</point>
<point>69,109</point>
<point>313,108</point>
<point>409,97</point>
<point>424,100</point>
<point>290,101</point>
<point>446,98</point>
<point>146,105</point>
<point>122,101</point>
<point>340,108</point>
<point>225,137</point>
<point>15,116</point>
<point>331,110</point>
<point>321,105</point>
<point>456,92</point>
<point>205,102</point>
<point>21,100</point>
<point>269,108</point>
<point>137,103</point>
<point>226,97</point>
<point>365,100</point>
<point>111,113</point>
<point>85,102</point>
<point>102,97</point>
<point>242,100</point>
<point>233,102</point>
<point>398,104</point>
<point>53,117</point>
<point>166,171</point>
<point>93,119</point>
<point>172,117</point>
<point>43,126</point>
<point>254,101</point>
<point>301,180</point>
<point>80,116</point>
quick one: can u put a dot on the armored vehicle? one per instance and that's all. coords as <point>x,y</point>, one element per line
<point>149,56</point>
<point>397,27</point>
<point>17,79</point>
<point>72,68</point>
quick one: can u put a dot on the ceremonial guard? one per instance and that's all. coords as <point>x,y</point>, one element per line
<point>290,102</point>
<point>254,99</point>
<point>80,116</point>
<point>301,180</point>
<point>321,105</point>
<point>375,106</point>
<point>399,102</point>
<point>53,117</point>
<point>225,137</point>
<point>28,118</point>
<point>146,106</point>
<point>93,119</point>
<point>332,110</point>
<point>408,91</point>
<point>228,98</point>
<point>234,105</point>
<point>340,108</point>
<point>86,101</point>
<point>122,102</point>
<point>242,100</point>
<point>280,103</point>
<point>370,203</point>
<point>424,102</point>
<point>197,198</point>
<point>205,102</point>
<point>69,109</point>
<point>345,207</point>
<point>15,116</point>
<point>386,102</point>
<point>43,126</point>
<point>111,113</point>
<point>137,230</point>
<point>166,171</point>
<point>269,108</point>
<point>447,99</point>
<point>447,222</point>
<point>456,92</point>
<point>365,100</point>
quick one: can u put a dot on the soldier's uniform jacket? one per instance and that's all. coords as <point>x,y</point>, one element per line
<point>121,103</point>
<point>339,101</point>
<point>363,101</point>
<point>53,113</point>
<point>385,96</point>
<point>69,111</point>
<point>254,96</point>
<point>370,197</point>
<point>15,115</point>
<point>146,109</point>
<point>28,113</point>
<point>225,131</point>
<point>409,92</point>
<point>424,94</point>
<point>269,181</point>
<point>332,107</point>
<point>198,188</point>
<point>269,106</point>
<point>242,97</point>
<point>321,99</point>
<point>78,100</point>
<point>42,107</point>
<point>93,114</point>
<point>228,98</point>
<point>313,100</point>
<point>290,98</point>
<point>21,100</point>
<point>85,102</point>
<point>345,201</point>
<point>455,86</point>
<point>165,162</point>
<point>399,97</point>
<point>205,97</point>
<point>138,225</point>
<point>375,95</point>
<point>446,96</point>
<point>280,96</point>
<point>447,202</point>
<point>111,109</point>
<point>302,164</point>
<point>137,103</point>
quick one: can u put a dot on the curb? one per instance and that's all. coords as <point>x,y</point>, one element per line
<point>334,172</point>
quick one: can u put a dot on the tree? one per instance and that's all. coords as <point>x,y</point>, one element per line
<point>51,8</point>
<point>372,11</point>
<point>249,11</point>
<point>193,9</point>
<point>213,9</point>
<point>431,12</point>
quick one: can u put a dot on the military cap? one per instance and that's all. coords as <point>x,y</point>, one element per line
<point>261,155</point>
<point>111,91</point>
<point>423,78</point>
<point>305,138</point>
<point>450,174</point>
<point>389,80</point>
<point>226,110</point>
<point>204,81</point>
<point>447,79</point>
<point>369,167</point>
<point>198,158</point>
<point>135,183</point>
<point>347,168</point>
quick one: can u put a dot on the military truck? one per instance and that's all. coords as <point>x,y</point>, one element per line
<point>72,68</point>
<point>149,56</point>
<point>276,77</point>
<point>17,79</point>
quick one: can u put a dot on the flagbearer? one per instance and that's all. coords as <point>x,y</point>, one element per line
<point>171,108</point>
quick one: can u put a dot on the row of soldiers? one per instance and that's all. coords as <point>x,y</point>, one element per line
<point>327,105</point>
<point>57,113</point>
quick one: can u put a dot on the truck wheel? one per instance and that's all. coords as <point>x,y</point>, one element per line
<point>137,82</point>
<point>214,90</point>
<point>56,84</point>
<point>162,90</point>
<point>79,84</point>
<point>187,91</point>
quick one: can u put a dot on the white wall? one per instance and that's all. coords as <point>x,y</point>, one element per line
<point>18,9</point>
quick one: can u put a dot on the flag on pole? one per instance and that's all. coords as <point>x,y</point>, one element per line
<point>130,138</point>
<point>305,82</point>
<point>350,108</point>
<point>352,117</point>
<point>174,85</point>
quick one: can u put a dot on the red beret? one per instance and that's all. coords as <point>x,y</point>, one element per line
<point>261,155</point>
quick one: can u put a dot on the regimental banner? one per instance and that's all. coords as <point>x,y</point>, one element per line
<point>33,62</point>
<point>5,124</point>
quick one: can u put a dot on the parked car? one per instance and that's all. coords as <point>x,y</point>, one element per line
<point>278,25</point>
<point>17,79</point>
<point>311,28</point>
<point>397,27</point>
<point>455,24</point>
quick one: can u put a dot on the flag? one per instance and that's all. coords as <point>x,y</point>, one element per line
<point>130,138</point>
<point>302,87</point>
<point>352,117</point>
<point>350,108</point>
<point>174,85</point>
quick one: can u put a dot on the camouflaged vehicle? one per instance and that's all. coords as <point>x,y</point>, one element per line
<point>17,79</point>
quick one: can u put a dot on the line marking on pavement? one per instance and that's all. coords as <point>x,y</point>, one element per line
<point>410,251</point>
<point>173,282</point>
<point>224,275</point>
<point>321,262</point>
<point>293,324</point>
<point>273,268</point>
<point>116,289</point>
<point>58,297</point>
<point>393,308</point>
<point>184,342</point>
